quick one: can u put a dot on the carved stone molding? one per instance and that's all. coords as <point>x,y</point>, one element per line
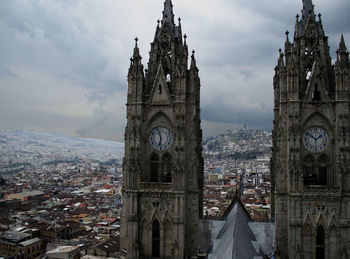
<point>322,191</point>
<point>155,186</point>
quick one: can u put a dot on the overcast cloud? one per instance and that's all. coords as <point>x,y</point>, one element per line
<point>63,63</point>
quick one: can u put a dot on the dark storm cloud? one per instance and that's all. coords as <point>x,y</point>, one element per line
<point>63,64</point>
<point>243,54</point>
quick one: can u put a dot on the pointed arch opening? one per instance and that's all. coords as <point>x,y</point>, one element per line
<point>322,163</point>
<point>307,241</point>
<point>154,167</point>
<point>144,238</point>
<point>310,176</point>
<point>316,171</point>
<point>320,251</point>
<point>332,243</point>
<point>316,95</point>
<point>166,167</point>
<point>168,239</point>
<point>155,238</point>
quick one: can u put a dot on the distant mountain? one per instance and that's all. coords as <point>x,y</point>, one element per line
<point>22,147</point>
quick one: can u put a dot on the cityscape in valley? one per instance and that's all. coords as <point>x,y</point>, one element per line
<point>63,194</point>
<point>166,191</point>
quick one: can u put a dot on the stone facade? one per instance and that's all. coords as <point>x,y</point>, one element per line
<point>310,164</point>
<point>163,164</point>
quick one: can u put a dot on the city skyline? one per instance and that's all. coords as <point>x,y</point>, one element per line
<point>64,64</point>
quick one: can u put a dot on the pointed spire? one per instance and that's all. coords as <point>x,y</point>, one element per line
<point>157,29</point>
<point>280,58</point>
<point>135,61</point>
<point>287,44</point>
<point>287,38</point>
<point>308,14</point>
<point>168,14</point>
<point>296,29</point>
<point>342,46</point>
<point>193,61</point>
<point>342,53</point>
<point>136,50</point>
<point>308,9</point>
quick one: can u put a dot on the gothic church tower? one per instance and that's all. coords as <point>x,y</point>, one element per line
<point>163,164</point>
<point>310,165</point>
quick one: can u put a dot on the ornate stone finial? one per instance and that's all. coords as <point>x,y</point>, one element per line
<point>193,62</point>
<point>287,33</point>
<point>136,50</point>
<point>179,19</point>
<point>297,16</point>
<point>158,21</point>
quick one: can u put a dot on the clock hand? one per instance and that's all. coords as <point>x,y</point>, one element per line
<point>311,135</point>
<point>320,136</point>
<point>160,138</point>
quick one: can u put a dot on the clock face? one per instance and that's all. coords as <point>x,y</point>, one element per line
<point>161,138</point>
<point>315,139</point>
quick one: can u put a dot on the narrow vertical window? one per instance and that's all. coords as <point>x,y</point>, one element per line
<point>168,239</point>
<point>307,241</point>
<point>320,243</point>
<point>310,177</point>
<point>316,95</point>
<point>166,166</point>
<point>159,89</point>
<point>322,169</point>
<point>144,238</point>
<point>154,168</point>
<point>168,80</point>
<point>155,239</point>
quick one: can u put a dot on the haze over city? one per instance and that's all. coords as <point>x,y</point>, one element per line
<point>64,64</point>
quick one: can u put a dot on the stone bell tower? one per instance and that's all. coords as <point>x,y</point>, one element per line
<point>310,164</point>
<point>163,164</point>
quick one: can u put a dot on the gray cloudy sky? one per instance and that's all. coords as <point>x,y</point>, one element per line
<point>63,63</point>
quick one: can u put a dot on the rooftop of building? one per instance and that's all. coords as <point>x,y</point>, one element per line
<point>63,249</point>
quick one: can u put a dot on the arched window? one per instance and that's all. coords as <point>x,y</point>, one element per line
<point>144,238</point>
<point>320,243</point>
<point>310,176</point>
<point>155,239</point>
<point>316,171</point>
<point>168,239</point>
<point>316,95</point>
<point>322,163</point>
<point>307,241</point>
<point>332,243</point>
<point>154,167</point>
<point>166,168</point>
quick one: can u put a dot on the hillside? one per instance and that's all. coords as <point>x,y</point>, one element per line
<point>20,149</point>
